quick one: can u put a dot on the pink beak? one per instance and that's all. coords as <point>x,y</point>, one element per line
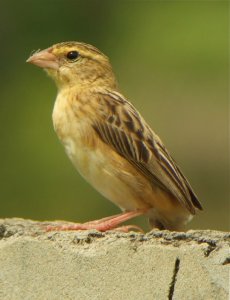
<point>44,59</point>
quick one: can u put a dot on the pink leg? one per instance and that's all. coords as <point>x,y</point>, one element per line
<point>104,224</point>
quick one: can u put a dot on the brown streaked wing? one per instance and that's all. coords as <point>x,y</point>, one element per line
<point>176,170</point>
<point>122,143</point>
<point>133,139</point>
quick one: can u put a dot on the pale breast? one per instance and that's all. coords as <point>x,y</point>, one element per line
<point>70,127</point>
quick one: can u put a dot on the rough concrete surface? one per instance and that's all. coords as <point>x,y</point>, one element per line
<point>35,264</point>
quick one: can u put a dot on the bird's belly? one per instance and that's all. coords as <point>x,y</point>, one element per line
<point>98,169</point>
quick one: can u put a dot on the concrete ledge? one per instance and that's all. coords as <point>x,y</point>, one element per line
<point>91,265</point>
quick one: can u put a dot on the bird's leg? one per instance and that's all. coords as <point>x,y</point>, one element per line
<point>104,224</point>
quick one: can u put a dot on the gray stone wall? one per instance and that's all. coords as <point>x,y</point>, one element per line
<point>35,264</point>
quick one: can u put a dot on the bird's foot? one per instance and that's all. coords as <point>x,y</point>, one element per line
<point>104,224</point>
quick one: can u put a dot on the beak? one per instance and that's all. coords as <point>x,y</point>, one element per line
<point>44,59</point>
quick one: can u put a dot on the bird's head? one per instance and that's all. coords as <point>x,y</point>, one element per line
<point>74,63</point>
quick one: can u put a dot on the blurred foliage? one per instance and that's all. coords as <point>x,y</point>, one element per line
<point>171,60</point>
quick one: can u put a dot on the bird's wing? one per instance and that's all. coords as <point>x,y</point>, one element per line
<point>122,128</point>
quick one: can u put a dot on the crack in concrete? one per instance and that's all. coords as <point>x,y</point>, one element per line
<point>174,279</point>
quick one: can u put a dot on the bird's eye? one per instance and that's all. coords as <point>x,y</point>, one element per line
<point>72,55</point>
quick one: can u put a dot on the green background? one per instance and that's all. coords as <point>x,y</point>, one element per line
<point>171,61</point>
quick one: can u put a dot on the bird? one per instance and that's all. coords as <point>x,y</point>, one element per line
<point>110,143</point>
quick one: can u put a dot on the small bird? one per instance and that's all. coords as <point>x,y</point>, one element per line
<point>110,143</point>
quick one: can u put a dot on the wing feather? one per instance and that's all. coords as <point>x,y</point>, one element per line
<point>123,129</point>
